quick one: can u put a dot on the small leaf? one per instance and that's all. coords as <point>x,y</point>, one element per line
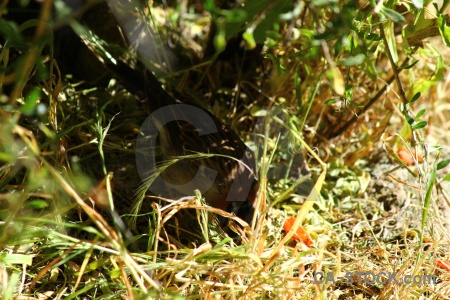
<point>282,68</point>
<point>348,92</point>
<point>12,258</point>
<point>442,164</point>
<point>4,157</point>
<point>358,105</point>
<point>406,131</point>
<point>392,15</point>
<point>307,33</point>
<point>236,15</point>
<point>421,113</point>
<point>220,40</point>
<point>415,97</point>
<point>274,35</point>
<point>30,102</point>
<point>444,30</point>
<point>10,34</point>
<point>331,101</point>
<point>37,204</point>
<point>371,69</point>
<point>444,264</point>
<point>248,37</point>
<point>270,56</point>
<point>371,37</point>
<point>409,119</point>
<point>446,178</point>
<point>392,43</point>
<point>419,125</point>
<point>410,65</point>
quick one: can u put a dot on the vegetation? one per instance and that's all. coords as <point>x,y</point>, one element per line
<point>344,104</point>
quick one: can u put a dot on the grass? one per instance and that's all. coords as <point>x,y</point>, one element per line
<point>68,176</point>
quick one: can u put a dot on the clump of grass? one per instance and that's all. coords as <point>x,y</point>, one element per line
<point>67,177</point>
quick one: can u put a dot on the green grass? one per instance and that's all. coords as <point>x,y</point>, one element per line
<point>73,227</point>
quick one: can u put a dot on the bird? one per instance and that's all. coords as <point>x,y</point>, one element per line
<point>206,154</point>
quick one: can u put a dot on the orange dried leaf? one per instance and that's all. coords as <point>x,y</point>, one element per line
<point>444,264</point>
<point>407,158</point>
<point>427,240</point>
<point>300,235</point>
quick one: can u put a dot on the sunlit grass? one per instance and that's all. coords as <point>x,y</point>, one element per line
<point>76,222</point>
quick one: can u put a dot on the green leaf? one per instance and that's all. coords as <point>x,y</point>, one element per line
<point>392,15</point>
<point>442,164</point>
<point>6,157</point>
<point>409,119</point>
<point>348,91</point>
<point>444,30</point>
<point>358,105</point>
<point>421,113</point>
<point>37,204</point>
<point>307,32</point>
<point>331,101</point>
<point>248,37</point>
<point>11,34</point>
<point>410,65</point>
<point>415,97</point>
<point>220,39</point>
<point>20,259</point>
<point>370,36</point>
<point>415,28</point>
<point>419,125</point>
<point>446,178</point>
<point>274,35</point>
<point>371,69</point>
<point>236,16</point>
<point>281,68</point>
<point>392,41</point>
<point>406,131</point>
<point>30,102</point>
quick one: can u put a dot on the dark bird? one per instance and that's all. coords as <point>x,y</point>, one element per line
<point>205,153</point>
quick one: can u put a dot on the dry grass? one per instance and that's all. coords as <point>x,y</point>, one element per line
<point>64,169</point>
